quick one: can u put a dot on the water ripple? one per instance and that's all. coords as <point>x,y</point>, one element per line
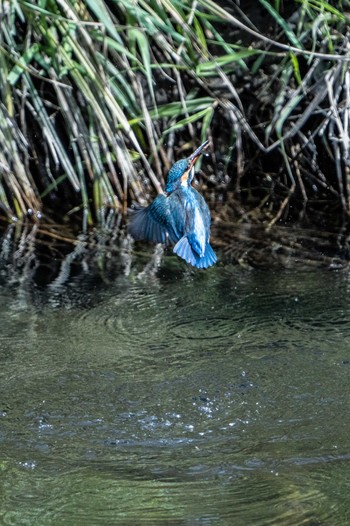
<point>211,328</point>
<point>216,399</point>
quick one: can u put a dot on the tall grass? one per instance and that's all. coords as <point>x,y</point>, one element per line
<point>95,96</point>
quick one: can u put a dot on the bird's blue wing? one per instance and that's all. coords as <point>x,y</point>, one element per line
<point>151,223</point>
<point>177,216</point>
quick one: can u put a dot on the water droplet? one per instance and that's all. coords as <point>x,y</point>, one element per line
<point>28,464</point>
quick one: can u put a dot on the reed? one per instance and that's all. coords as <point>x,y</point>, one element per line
<point>96,96</point>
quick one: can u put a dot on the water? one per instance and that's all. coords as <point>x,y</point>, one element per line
<point>204,398</point>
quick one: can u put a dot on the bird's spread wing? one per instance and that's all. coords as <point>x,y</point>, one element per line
<point>151,223</point>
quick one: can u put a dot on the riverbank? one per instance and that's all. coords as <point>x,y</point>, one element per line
<point>52,257</point>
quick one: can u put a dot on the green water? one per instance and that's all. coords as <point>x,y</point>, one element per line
<point>206,398</point>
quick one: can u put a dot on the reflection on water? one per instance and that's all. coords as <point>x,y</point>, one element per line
<point>218,397</point>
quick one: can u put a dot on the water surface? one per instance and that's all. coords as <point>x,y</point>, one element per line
<point>185,398</point>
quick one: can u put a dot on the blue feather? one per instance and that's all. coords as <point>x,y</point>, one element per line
<point>184,250</point>
<point>208,259</point>
<point>142,226</point>
<point>151,223</point>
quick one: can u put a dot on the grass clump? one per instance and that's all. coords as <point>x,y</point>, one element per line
<point>95,96</point>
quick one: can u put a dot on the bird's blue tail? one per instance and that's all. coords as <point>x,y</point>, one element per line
<point>184,250</point>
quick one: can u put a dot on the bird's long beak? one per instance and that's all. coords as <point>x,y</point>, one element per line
<point>188,175</point>
<point>195,155</point>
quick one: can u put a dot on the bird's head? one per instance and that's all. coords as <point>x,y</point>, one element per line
<point>182,172</point>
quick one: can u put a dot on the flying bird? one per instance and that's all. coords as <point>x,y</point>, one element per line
<point>181,216</point>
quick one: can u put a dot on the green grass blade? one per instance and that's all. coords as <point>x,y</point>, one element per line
<point>283,24</point>
<point>210,67</point>
<point>296,68</point>
<point>188,120</point>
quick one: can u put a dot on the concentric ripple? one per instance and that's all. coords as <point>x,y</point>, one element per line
<point>211,328</point>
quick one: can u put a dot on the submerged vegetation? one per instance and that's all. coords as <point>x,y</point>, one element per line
<point>97,99</point>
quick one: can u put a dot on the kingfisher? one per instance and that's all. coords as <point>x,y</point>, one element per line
<point>180,216</point>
